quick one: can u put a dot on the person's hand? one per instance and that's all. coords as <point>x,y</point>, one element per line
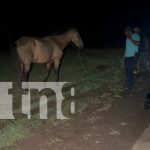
<point>136,55</point>
<point>122,60</point>
<point>129,36</point>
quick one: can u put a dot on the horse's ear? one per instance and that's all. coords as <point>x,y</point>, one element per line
<point>72,28</point>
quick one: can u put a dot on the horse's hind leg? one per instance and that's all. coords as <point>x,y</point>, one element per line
<point>26,69</point>
<point>57,63</point>
<point>49,65</point>
<point>24,72</point>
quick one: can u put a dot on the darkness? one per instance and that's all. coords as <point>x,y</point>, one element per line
<point>100,24</point>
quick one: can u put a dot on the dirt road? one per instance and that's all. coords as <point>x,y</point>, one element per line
<point>112,123</point>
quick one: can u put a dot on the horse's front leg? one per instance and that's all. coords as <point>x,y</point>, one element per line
<point>49,65</point>
<point>22,74</point>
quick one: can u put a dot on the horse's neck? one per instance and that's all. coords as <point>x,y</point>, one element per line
<point>63,40</point>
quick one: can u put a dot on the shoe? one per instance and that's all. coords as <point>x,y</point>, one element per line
<point>125,87</point>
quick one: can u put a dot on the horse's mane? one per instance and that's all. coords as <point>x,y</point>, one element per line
<point>62,31</point>
<point>72,29</point>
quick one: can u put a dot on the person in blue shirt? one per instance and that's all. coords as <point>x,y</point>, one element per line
<point>131,50</point>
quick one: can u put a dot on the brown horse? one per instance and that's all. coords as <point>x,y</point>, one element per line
<point>47,50</point>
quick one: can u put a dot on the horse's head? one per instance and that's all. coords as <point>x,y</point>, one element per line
<point>76,39</point>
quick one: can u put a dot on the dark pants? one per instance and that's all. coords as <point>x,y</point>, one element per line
<point>129,68</point>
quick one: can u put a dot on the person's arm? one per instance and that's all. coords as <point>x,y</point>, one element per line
<point>135,39</point>
<point>135,42</point>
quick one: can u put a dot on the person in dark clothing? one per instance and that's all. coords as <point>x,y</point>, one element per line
<point>142,63</point>
<point>143,47</point>
<point>147,103</point>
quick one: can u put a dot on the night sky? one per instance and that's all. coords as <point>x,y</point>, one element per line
<point>100,24</point>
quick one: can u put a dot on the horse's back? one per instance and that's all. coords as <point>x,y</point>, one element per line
<point>38,50</point>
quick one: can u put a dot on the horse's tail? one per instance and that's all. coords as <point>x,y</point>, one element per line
<point>15,61</point>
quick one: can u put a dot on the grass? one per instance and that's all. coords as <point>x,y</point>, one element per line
<point>12,133</point>
<point>104,73</point>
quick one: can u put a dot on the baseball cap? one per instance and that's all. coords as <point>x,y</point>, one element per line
<point>128,28</point>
